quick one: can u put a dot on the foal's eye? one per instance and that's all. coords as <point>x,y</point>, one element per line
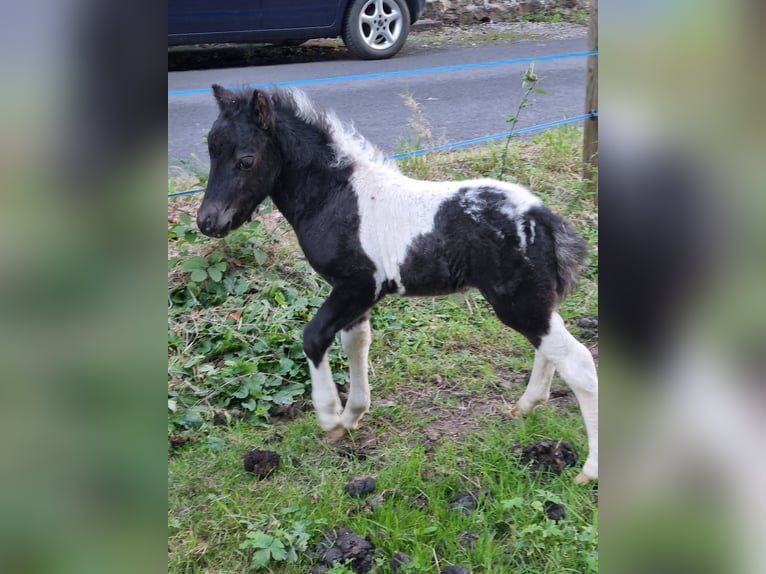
<point>245,162</point>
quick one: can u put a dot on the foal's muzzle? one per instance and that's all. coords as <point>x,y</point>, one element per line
<point>212,222</point>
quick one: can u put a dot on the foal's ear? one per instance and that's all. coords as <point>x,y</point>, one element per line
<point>262,110</point>
<point>223,96</point>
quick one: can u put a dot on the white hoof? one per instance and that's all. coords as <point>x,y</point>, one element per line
<point>589,472</point>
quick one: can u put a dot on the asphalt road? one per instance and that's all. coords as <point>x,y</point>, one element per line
<point>459,104</point>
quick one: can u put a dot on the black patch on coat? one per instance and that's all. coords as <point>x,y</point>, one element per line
<point>475,244</point>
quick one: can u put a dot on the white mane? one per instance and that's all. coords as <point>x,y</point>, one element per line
<point>349,145</point>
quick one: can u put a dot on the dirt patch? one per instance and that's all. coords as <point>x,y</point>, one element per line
<point>455,569</point>
<point>361,487</point>
<point>550,456</point>
<point>562,397</point>
<point>451,421</point>
<point>261,463</point>
<point>342,545</point>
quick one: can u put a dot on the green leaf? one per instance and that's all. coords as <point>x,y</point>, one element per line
<point>278,550</point>
<point>540,91</point>
<point>285,365</point>
<point>249,405</point>
<point>215,274</point>
<point>517,502</point>
<point>258,539</point>
<point>259,256</point>
<point>196,262</point>
<point>215,443</point>
<point>261,558</point>
<point>198,275</point>
<point>287,395</point>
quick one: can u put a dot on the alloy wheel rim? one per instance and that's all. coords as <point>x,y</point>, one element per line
<point>380,24</point>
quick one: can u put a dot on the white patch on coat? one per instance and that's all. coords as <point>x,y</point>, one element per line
<point>395,209</point>
<point>525,230</point>
<point>522,234</point>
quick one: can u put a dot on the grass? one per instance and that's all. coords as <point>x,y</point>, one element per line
<point>443,373</point>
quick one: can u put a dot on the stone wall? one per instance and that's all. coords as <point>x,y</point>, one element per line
<point>472,11</point>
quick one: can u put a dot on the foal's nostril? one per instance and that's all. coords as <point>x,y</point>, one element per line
<point>205,222</point>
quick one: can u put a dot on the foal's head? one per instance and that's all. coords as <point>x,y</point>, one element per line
<point>244,160</point>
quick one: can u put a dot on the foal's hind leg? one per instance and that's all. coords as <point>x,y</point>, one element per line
<point>356,343</point>
<point>528,311</point>
<point>576,366</point>
<point>539,387</point>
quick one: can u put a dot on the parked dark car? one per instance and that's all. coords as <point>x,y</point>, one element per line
<point>371,29</point>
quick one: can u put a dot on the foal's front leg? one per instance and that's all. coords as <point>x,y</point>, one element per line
<point>356,343</point>
<point>345,304</point>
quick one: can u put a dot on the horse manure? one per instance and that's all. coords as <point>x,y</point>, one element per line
<point>222,417</point>
<point>456,569</point>
<point>176,441</point>
<point>554,511</point>
<point>342,545</point>
<point>468,539</point>
<point>467,501</point>
<point>261,462</point>
<point>588,322</point>
<point>547,455</point>
<point>361,487</point>
<point>398,560</point>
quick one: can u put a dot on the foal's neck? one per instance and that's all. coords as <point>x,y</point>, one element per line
<point>304,190</point>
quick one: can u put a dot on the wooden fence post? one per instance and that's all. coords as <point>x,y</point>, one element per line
<point>590,133</point>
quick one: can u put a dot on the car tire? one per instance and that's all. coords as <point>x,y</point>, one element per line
<point>376,29</point>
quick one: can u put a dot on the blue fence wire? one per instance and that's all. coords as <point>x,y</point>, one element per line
<point>394,73</point>
<point>458,144</point>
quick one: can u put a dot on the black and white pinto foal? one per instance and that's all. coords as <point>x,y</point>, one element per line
<point>370,231</point>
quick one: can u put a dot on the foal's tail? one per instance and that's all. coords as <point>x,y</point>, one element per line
<point>571,251</point>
